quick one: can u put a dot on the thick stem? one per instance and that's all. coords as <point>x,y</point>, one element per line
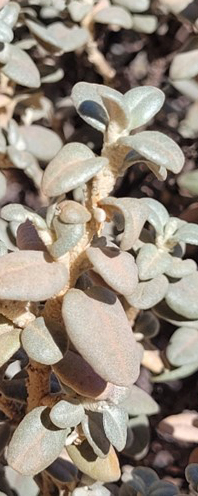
<point>37,383</point>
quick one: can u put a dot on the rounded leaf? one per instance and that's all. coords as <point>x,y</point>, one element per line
<point>180,268</point>
<point>68,413</point>
<point>30,275</point>
<point>74,165</point>
<point>44,341</point>
<point>104,470</point>
<point>92,426</point>
<point>115,426</point>
<point>189,181</point>
<point>143,103</point>
<point>118,269</point>
<point>140,403</point>
<point>9,344</point>
<point>149,293</point>
<point>43,143</point>
<point>98,317</point>
<point>72,212</point>
<point>184,65</point>
<point>36,435</point>
<point>183,346</point>
<point>182,296</point>
<point>134,5</point>
<point>21,68</point>
<point>114,15</point>
<point>152,261</point>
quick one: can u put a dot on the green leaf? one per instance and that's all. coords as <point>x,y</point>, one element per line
<point>135,215</point>
<point>72,212</point>
<point>36,435</point>
<point>78,11</point>
<point>44,341</point>
<point>89,105</point>
<point>182,296</point>
<point>115,425</point>
<point>69,39</point>
<point>149,293</point>
<point>6,33</point>
<point>183,346</point>
<point>30,275</point>
<point>152,261</point>
<point>187,233</point>
<point>178,373</point>
<point>114,15</point>
<point>118,269</point>
<point>68,237</point>
<point>143,103</point>
<point>181,268</point>
<point>140,403</point>
<point>163,311</point>
<point>102,469</point>
<point>158,149</point>
<point>67,413</point>
<point>19,213</point>
<point>43,143</point>
<point>9,344</point>
<point>189,181</point>
<point>158,215</point>
<point>21,69</point>
<point>98,317</point>
<point>92,426</point>
<point>72,166</point>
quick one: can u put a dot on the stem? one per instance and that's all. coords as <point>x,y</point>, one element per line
<point>37,383</point>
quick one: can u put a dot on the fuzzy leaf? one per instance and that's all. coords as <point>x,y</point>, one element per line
<point>115,426</point>
<point>178,373</point>
<point>134,5</point>
<point>68,237</point>
<point>21,69</point>
<point>158,215</point>
<point>72,166</point>
<point>189,181</point>
<point>181,268</point>
<point>18,213</point>
<point>183,346</point>
<point>92,426</point>
<point>163,311</point>
<point>35,434</point>
<point>67,413</point>
<point>9,14</point>
<point>104,470</point>
<point>114,15</point>
<point>143,103</point>
<point>118,269</point>
<point>135,215</point>
<point>182,296</point>
<point>184,65</point>
<point>156,148</point>
<point>43,143</point>
<point>72,212</point>
<point>188,234</point>
<point>69,39</point>
<point>44,341</point>
<point>140,403</point>
<point>152,261</point>
<point>149,293</point>
<point>90,106</point>
<point>145,24</point>
<point>30,275</point>
<point>78,11</point>
<point>97,316</point>
<point>9,344</point>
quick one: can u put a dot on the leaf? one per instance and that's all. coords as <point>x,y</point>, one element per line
<point>135,215</point>
<point>187,233</point>
<point>180,427</point>
<point>72,212</point>
<point>30,275</point>
<point>139,426</point>
<point>189,181</point>
<point>182,296</point>
<point>149,293</point>
<point>164,487</point>
<point>118,269</point>
<point>2,142</point>
<point>89,105</point>
<point>43,143</point>
<point>63,471</point>
<point>21,69</point>
<point>9,344</point>
<point>158,215</point>
<point>134,5</point>
<point>92,426</point>
<point>145,24</point>
<point>163,311</point>
<point>69,39</point>
<point>152,261</point>
<point>147,325</point>
<point>147,475</point>
<point>19,213</point>
<point>44,341</point>
<point>183,346</point>
<point>140,403</point>
<point>114,15</point>
<point>6,33</point>
<point>178,373</point>
<point>98,317</point>
<point>184,65</point>
<point>67,413</point>
<point>191,473</point>
<point>36,435</point>
<point>115,426</point>
<point>156,148</point>
<point>175,6</point>
<point>78,11</point>
<point>72,166</point>
<point>76,373</point>
<point>104,470</point>
<point>143,103</point>
<point>9,14</point>
<point>68,237</point>
<point>43,36</point>
<point>181,268</point>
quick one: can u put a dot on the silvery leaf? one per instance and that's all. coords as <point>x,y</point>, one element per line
<point>21,69</point>
<point>149,293</point>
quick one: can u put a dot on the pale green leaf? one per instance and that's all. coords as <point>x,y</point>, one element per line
<point>9,344</point>
<point>115,426</point>
<point>184,65</point>
<point>43,143</point>
<point>114,15</point>
<point>69,39</point>
<point>92,426</point>
<point>21,69</point>
<point>183,346</point>
<point>143,103</point>
<point>72,212</point>
<point>134,5</point>
<point>182,296</point>
<point>145,24</point>
<point>140,403</point>
<point>97,316</point>
<point>78,10</point>
<point>152,261</point>
<point>158,215</point>
<point>177,373</point>
<point>189,181</point>
<point>67,413</point>
<point>187,233</point>
<point>36,435</point>
<point>149,293</point>
<point>89,105</point>
<point>181,268</point>
<point>9,14</point>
